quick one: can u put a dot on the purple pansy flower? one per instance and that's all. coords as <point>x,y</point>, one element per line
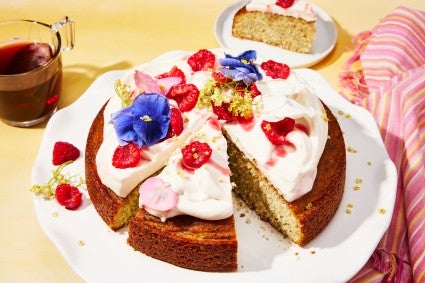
<point>241,67</point>
<point>145,122</point>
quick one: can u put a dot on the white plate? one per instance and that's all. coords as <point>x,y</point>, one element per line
<point>323,44</point>
<point>98,254</point>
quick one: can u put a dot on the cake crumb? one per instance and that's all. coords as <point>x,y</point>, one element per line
<point>356,188</point>
<point>248,221</point>
<point>325,116</point>
<point>242,215</point>
<point>308,206</point>
<point>352,149</point>
<point>313,252</point>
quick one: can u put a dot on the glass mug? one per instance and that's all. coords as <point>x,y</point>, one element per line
<point>31,69</point>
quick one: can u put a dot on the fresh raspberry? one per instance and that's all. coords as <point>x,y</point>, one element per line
<point>126,156</point>
<point>254,90</point>
<point>63,152</point>
<point>220,78</point>
<point>276,70</point>
<point>223,112</point>
<point>285,3</point>
<point>186,96</point>
<point>202,60</point>
<point>174,72</point>
<point>68,196</point>
<point>276,131</point>
<point>195,154</point>
<point>176,123</point>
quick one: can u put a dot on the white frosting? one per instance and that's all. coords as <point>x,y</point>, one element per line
<point>300,9</point>
<point>294,173</point>
<point>206,193</point>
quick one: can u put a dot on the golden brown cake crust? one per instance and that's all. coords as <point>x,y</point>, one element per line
<point>186,241</point>
<point>108,205</point>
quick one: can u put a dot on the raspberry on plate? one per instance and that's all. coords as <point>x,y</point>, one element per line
<point>68,196</point>
<point>63,152</point>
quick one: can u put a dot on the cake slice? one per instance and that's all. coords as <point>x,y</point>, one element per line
<point>276,23</point>
<point>196,182</point>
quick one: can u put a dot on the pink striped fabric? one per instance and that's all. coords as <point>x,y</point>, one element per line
<point>386,75</point>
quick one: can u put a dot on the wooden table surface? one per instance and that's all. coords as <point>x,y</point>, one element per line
<point>112,35</point>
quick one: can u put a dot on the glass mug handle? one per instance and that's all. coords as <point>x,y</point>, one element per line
<point>66,29</point>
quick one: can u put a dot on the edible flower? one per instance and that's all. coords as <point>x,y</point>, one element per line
<point>241,67</point>
<point>157,194</point>
<point>145,122</point>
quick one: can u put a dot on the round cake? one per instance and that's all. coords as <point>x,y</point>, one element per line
<point>187,130</point>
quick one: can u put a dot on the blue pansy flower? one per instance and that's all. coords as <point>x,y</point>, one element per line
<point>241,67</point>
<point>145,122</point>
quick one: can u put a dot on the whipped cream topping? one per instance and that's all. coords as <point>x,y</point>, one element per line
<point>206,192</point>
<point>292,170</point>
<point>300,9</point>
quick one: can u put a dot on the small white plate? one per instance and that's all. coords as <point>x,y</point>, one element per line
<point>323,44</point>
<point>98,254</point>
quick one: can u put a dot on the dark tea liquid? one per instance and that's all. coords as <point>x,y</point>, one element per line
<point>35,86</point>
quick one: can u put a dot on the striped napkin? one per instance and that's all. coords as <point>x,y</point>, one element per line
<point>386,75</point>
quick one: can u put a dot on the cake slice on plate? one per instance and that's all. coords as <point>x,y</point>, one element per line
<point>288,24</point>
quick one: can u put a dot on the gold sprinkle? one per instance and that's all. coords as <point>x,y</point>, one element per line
<point>162,87</point>
<point>195,155</point>
<point>308,206</point>
<point>356,188</point>
<point>350,205</point>
<point>186,119</point>
<point>348,116</point>
<point>267,127</point>
<point>369,163</point>
<point>382,211</point>
<point>340,112</point>
<point>81,243</point>
<point>358,181</point>
<point>348,211</point>
<point>220,180</point>
<point>55,214</point>
<point>352,149</point>
<point>214,139</point>
<point>325,116</point>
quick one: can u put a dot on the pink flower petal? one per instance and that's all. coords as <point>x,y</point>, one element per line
<point>168,82</point>
<point>146,83</point>
<point>158,195</point>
